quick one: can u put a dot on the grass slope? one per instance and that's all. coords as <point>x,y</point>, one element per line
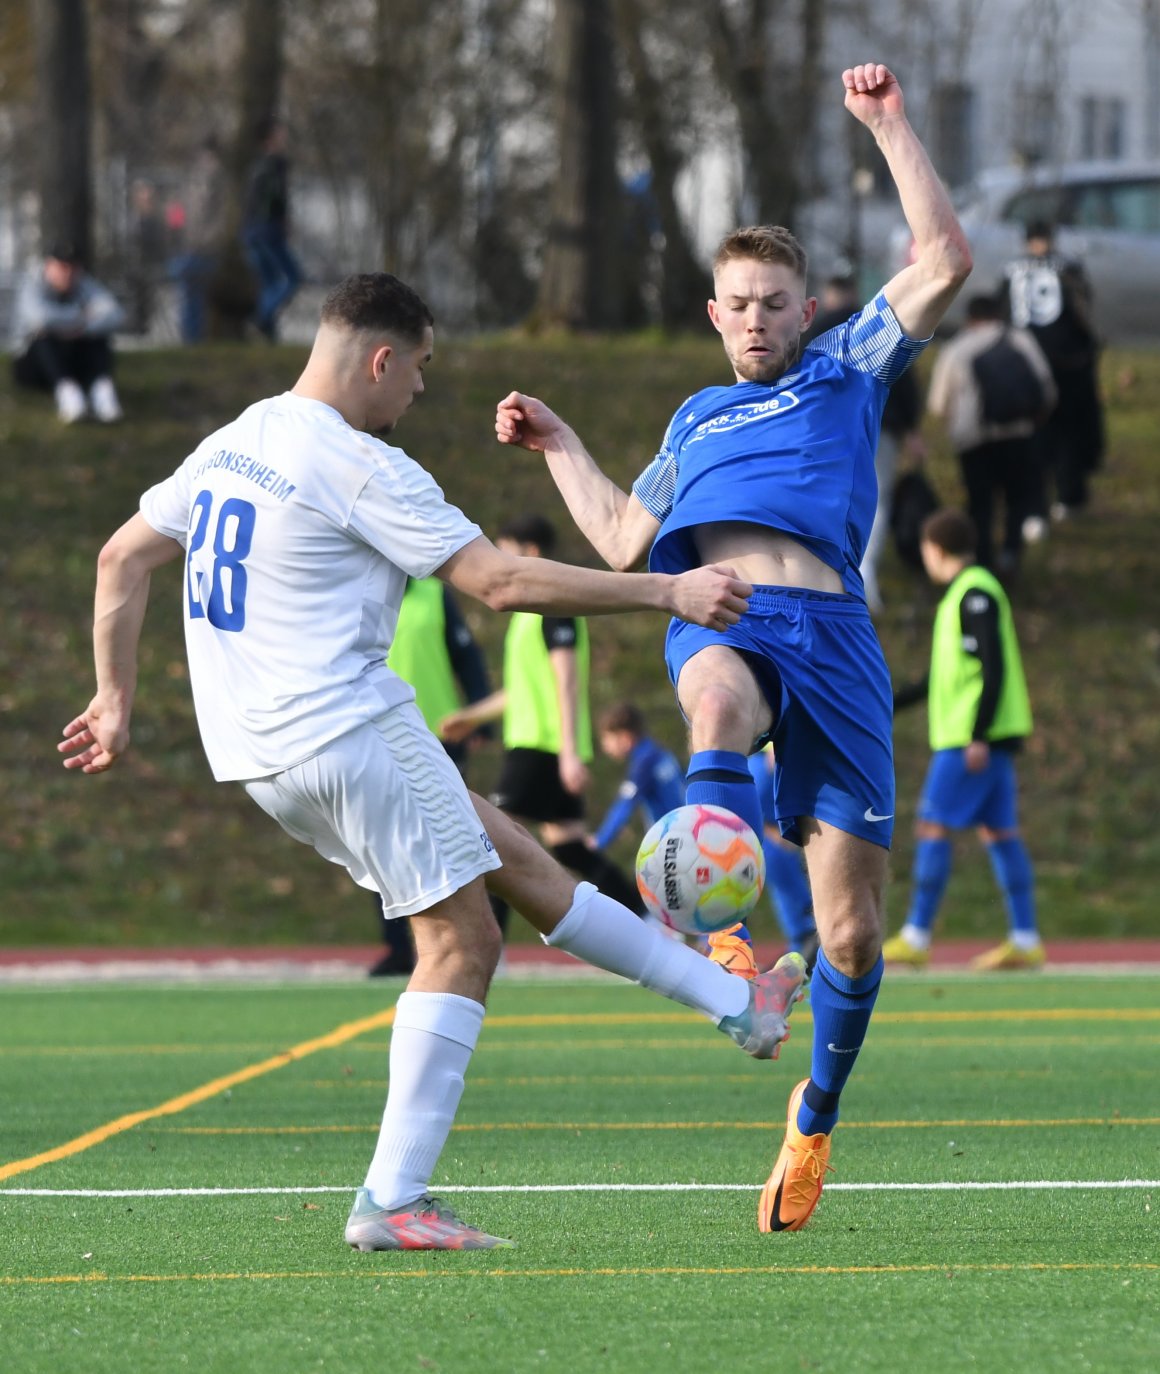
<point>155,853</point>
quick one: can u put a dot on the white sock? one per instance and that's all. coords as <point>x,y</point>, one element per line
<point>1024,939</point>
<point>602,932</point>
<point>915,936</point>
<point>432,1040</point>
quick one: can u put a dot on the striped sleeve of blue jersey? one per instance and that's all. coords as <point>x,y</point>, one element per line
<point>871,341</point>
<point>657,484</point>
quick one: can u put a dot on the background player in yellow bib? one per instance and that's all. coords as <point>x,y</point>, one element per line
<point>980,714</point>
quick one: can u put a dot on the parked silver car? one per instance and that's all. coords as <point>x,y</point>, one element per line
<point>1107,215</point>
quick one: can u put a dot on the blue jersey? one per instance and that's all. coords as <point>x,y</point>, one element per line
<point>795,454</point>
<point>655,781</point>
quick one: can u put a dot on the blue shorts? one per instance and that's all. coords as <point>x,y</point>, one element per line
<point>957,799</point>
<point>817,659</point>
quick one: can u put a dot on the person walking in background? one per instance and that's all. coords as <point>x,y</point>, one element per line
<point>547,726</point>
<point>980,714</point>
<point>993,388</point>
<point>204,213</point>
<point>296,530</point>
<point>1050,296</point>
<point>776,474</point>
<point>64,327</point>
<point>266,223</point>
<point>145,261</point>
<point>434,650</point>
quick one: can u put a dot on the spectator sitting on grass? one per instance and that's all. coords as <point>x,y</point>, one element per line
<point>65,320</point>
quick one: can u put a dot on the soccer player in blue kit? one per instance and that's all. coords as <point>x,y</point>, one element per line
<point>775,476</point>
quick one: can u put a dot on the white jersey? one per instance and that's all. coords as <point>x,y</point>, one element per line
<point>300,532</point>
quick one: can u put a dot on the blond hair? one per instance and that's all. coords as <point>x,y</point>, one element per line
<point>762,243</point>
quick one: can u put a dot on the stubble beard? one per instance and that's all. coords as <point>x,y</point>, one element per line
<point>770,366</point>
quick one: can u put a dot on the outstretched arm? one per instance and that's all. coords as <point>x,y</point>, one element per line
<point>95,739</point>
<point>711,596</point>
<point>615,523</point>
<point>920,294</point>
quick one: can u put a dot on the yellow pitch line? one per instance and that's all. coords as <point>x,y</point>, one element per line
<point>486,1126</point>
<point>330,1040</point>
<point>732,1271</point>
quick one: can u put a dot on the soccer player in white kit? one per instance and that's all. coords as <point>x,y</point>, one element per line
<point>298,529</point>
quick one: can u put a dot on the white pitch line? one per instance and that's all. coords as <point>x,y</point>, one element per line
<point>941,1187</point>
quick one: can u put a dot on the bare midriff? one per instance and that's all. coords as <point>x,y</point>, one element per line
<point>765,557</point>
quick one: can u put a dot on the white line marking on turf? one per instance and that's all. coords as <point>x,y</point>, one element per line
<point>940,1187</point>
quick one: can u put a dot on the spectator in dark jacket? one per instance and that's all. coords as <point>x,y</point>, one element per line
<point>265,226</point>
<point>1050,296</point>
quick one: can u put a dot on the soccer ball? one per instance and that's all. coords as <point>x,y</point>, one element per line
<point>700,868</point>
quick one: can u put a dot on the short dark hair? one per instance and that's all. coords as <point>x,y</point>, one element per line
<point>64,250</point>
<point>1039,229</point>
<point>982,307</point>
<point>951,530</point>
<point>623,716</point>
<point>530,529</point>
<point>379,303</point>
<point>762,243</point>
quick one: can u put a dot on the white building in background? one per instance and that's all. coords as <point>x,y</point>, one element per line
<point>988,84</point>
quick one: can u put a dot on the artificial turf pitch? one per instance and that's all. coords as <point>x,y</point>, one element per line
<point>995,1203</point>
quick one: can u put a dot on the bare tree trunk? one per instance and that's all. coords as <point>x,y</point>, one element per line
<point>62,61</point>
<point>581,284</point>
<point>771,129</point>
<point>683,285</point>
<point>232,292</point>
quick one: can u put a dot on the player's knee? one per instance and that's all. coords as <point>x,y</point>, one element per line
<point>722,714</point>
<point>465,949</point>
<point>853,940</point>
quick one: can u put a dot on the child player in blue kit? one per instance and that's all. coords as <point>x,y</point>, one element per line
<point>774,477</point>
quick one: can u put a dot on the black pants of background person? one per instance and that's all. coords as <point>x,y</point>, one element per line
<point>530,790</point>
<point>1006,466</point>
<point>49,360</point>
<point>1071,443</point>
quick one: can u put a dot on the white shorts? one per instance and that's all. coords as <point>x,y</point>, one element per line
<point>387,803</point>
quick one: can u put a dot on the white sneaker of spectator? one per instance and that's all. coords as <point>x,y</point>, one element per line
<point>1035,529</point>
<point>106,406</point>
<point>70,401</point>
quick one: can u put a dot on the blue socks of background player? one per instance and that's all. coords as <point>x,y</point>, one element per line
<point>792,901</point>
<point>841,1010</point>
<point>1016,879</point>
<point>932,868</point>
<point>720,777</point>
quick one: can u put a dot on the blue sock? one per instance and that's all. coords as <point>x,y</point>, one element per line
<point>789,890</point>
<point>932,868</point>
<point>841,1010</point>
<point>1016,878</point>
<point>720,777</point>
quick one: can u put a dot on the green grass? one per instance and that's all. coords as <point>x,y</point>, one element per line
<point>155,853</point>
<point>1028,1079</point>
